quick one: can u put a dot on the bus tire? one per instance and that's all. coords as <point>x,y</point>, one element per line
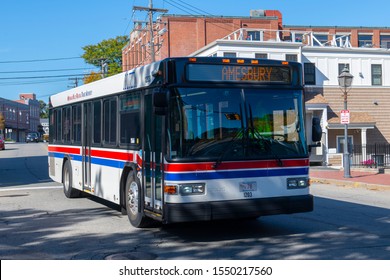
<point>135,202</point>
<point>67,180</point>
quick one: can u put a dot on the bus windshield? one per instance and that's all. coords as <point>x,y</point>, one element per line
<point>235,124</point>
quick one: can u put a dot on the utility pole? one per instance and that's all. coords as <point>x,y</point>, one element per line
<point>76,81</point>
<point>103,67</point>
<point>150,11</point>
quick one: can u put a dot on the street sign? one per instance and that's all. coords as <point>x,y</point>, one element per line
<point>344,116</point>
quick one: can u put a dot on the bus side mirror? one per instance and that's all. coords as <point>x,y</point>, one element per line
<point>160,101</point>
<point>316,134</point>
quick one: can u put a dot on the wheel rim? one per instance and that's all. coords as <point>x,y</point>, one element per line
<point>66,179</point>
<point>132,197</point>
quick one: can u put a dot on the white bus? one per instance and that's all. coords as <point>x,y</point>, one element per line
<point>187,139</point>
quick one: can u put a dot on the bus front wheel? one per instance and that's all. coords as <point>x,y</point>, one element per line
<point>69,191</point>
<point>134,202</point>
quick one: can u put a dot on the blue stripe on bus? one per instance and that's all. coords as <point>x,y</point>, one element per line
<point>229,174</point>
<point>108,162</point>
<point>61,156</point>
<point>237,174</point>
<point>98,161</point>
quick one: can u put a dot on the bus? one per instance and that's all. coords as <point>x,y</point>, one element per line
<point>187,139</point>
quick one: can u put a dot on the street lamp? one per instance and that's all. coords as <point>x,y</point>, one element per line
<point>345,82</point>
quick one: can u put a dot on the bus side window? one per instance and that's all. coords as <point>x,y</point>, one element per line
<point>109,123</point>
<point>97,122</point>
<point>76,118</point>
<point>58,125</point>
<point>129,125</point>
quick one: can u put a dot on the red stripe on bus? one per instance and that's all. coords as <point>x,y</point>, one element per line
<point>65,150</point>
<point>113,155</point>
<point>187,167</point>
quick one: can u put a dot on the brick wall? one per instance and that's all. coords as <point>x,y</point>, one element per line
<point>188,34</point>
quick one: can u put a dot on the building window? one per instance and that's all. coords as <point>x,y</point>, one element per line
<point>385,41</point>
<point>298,37</point>
<point>254,36</point>
<point>365,41</point>
<point>376,74</point>
<point>291,57</point>
<point>342,66</point>
<point>261,55</point>
<point>322,39</point>
<point>230,54</point>
<point>309,73</point>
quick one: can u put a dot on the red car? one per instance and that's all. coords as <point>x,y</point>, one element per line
<point>2,143</point>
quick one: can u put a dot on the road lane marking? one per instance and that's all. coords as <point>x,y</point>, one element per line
<point>3,189</point>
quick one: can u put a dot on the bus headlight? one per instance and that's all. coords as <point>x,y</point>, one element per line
<point>297,183</point>
<point>185,189</point>
<point>192,189</point>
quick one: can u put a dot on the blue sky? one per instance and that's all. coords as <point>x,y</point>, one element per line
<point>54,32</point>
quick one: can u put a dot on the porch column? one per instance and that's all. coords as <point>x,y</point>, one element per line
<point>364,142</point>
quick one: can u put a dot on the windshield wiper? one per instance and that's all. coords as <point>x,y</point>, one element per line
<point>229,147</point>
<point>243,132</point>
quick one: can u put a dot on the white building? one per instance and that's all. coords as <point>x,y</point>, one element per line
<point>323,60</point>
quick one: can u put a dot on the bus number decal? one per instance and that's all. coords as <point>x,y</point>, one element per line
<point>248,194</point>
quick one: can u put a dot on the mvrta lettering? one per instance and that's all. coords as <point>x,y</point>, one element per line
<point>79,95</point>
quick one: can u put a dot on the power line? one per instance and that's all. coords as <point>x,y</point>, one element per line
<point>40,60</point>
<point>187,8</point>
<point>191,8</point>
<point>75,81</point>
<point>14,83</point>
<point>44,77</point>
<point>151,10</point>
<point>37,71</point>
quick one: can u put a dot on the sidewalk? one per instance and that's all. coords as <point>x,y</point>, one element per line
<point>359,178</point>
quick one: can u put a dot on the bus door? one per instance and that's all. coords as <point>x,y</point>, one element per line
<point>152,158</point>
<point>86,146</point>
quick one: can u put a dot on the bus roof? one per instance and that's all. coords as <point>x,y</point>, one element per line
<point>135,78</point>
<point>143,76</point>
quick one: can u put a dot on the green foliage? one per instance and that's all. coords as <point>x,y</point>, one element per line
<point>91,77</point>
<point>2,121</point>
<point>44,110</point>
<point>107,51</point>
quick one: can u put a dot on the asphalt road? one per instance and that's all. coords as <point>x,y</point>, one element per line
<point>38,222</point>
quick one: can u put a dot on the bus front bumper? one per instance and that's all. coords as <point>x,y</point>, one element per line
<point>235,209</point>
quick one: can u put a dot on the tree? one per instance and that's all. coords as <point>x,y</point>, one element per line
<point>43,110</point>
<point>91,77</point>
<point>2,121</point>
<point>106,53</point>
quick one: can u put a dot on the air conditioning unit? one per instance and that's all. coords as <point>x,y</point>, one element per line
<point>257,13</point>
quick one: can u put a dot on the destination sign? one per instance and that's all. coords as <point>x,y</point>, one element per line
<point>239,73</point>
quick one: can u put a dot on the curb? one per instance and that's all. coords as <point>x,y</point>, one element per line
<point>346,183</point>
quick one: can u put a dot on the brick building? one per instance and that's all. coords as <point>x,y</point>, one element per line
<point>177,35</point>
<point>323,51</point>
<point>34,109</point>
<point>16,117</point>
<point>21,116</point>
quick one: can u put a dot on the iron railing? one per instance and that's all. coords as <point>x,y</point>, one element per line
<point>373,155</point>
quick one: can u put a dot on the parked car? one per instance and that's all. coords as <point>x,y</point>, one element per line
<point>32,137</point>
<point>2,143</point>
